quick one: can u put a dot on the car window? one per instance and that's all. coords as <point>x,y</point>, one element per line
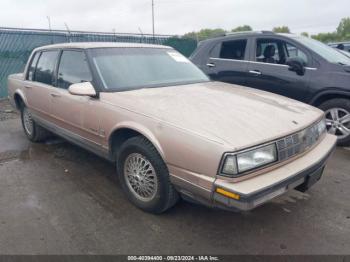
<point>276,51</point>
<point>45,67</point>
<point>73,68</point>
<point>233,49</point>
<point>267,51</point>
<point>32,66</point>
<point>292,51</point>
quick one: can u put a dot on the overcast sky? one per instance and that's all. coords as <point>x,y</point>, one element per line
<point>174,16</point>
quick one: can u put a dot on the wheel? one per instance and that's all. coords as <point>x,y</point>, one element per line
<point>144,176</point>
<point>338,119</point>
<point>34,132</point>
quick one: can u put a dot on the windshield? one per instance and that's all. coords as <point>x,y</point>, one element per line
<point>328,53</point>
<point>123,69</point>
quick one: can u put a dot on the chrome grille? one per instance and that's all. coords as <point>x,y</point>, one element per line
<point>295,144</point>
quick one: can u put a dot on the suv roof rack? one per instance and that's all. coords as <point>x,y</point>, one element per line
<point>249,32</point>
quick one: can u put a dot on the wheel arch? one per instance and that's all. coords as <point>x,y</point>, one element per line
<point>124,131</point>
<point>328,95</point>
<point>19,98</point>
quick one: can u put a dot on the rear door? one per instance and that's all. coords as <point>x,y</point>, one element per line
<point>268,70</point>
<point>227,61</point>
<point>39,83</point>
<point>75,114</point>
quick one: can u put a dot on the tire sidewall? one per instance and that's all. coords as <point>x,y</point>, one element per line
<point>30,136</point>
<point>159,201</point>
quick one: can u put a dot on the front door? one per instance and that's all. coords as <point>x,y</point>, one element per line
<point>70,112</point>
<point>268,70</point>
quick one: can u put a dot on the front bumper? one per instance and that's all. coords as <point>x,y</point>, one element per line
<point>299,174</point>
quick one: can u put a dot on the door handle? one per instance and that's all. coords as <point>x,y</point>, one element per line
<point>28,86</point>
<point>211,65</point>
<point>55,95</point>
<point>255,72</point>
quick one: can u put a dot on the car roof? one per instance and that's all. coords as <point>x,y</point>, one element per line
<point>234,35</point>
<point>90,45</point>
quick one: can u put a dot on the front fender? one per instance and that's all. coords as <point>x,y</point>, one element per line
<point>146,132</point>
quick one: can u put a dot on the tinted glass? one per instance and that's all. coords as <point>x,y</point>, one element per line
<point>277,51</point>
<point>132,68</point>
<point>233,49</point>
<point>32,66</point>
<point>265,53</point>
<point>292,51</point>
<point>45,67</point>
<point>73,69</point>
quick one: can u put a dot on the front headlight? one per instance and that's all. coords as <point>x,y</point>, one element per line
<point>234,164</point>
<point>249,160</point>
<point>321,126</point>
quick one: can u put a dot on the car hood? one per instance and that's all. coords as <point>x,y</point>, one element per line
<point>228,114</point>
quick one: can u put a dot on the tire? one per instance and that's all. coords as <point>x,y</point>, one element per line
<point>33,131</point>
<point>338,108</point>
<point>135,156</point>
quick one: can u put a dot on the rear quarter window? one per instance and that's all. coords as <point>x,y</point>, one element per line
<point>233,49</point>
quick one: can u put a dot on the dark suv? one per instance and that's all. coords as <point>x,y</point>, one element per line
<point>286,64</point>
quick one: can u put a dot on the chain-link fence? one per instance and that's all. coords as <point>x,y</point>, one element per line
<point>17,44</point>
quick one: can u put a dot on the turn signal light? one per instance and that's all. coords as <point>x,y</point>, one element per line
<point>227,193</point>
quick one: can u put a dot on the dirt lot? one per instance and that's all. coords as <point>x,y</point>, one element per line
<point>58,199</point>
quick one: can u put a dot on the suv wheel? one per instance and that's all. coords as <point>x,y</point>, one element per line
<point>338,119</point>
<point>34,132</point>
<point>144,176</point>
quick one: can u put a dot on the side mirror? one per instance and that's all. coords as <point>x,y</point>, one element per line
<point>82,89</point>
<point>296,64</point>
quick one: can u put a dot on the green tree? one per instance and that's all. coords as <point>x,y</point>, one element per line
<point>205,34</point>
<point>341,34</point>
<point>306,34</point>
<point>343,29</point>
<point>242,28</point>
<point>281,29</point>
<point>327,37</point>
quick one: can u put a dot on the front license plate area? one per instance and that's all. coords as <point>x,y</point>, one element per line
<point>310,180</point>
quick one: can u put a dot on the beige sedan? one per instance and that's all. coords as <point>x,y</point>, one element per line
<point>171,131</point>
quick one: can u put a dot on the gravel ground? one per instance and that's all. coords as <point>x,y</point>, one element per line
<point>6,111</point>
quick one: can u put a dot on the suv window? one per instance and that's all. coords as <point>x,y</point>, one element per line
<point>45,68</point>
<point>276,51</point>
<point>292,51</point>
<point>73,69</point>
<point>32,67</point>
<point>233,49</point>
<point>267,51</point>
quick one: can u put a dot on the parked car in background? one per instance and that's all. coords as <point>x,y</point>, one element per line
<point>294,66</point>
<point>345,46</point>
<point>169,129</point>
<point>344,53</point>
